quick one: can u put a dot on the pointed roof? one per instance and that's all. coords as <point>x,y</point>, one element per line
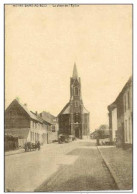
<point>30,113</point>
<point>65,110</point>
<point>85,110</point>
<point>75,73</point>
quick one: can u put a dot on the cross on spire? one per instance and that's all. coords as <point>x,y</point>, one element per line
<point>75,73</point>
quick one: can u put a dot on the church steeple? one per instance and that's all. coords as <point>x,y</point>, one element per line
<point>75,85</point>
<point>73,119</point>
<point>75,73</point>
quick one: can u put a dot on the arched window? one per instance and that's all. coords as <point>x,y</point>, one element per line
<point>76,103</point>
<point>76,118</point>
<point>76,91</point>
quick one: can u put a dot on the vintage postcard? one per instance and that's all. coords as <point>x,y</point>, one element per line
<point>68,98</point>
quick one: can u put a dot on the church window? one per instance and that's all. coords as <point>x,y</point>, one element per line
<point>128,96</point>
<point>76,103</point>
<point>31,124</point>
<point>76,118</point>
<point>76,91</point>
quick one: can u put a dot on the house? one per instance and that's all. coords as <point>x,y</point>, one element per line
<point>93,135</point>
<point>51,119</point>
<point>121,116</point>
<point>102,131</point>
<point>53,131</point>
<point>24,125</point>
<point>74,117</point>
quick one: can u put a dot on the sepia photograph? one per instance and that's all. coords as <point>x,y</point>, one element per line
<point>68,118</point>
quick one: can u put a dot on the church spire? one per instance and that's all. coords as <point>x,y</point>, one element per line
<point>75,73</point>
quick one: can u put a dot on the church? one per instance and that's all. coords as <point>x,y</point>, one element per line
<point>74,118</point>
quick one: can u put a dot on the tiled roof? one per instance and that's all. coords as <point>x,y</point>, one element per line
<point>113,105</point>
<point>66,109</point>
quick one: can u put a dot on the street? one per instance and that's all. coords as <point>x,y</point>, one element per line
<point>74,166</point>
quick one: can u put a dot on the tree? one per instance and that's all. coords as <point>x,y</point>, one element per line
<point>100,133</point>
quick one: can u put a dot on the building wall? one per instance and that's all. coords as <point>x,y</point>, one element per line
<point>114,123</point>
<point>38,132</point>
<point>51,119</point>
<point>120,123</point>
<point>123,103</point>
<point>127,103</point>
<point>15,117</point>
<point>64,124</point>
<point>69,128</point>
<point>85,131</point>
<point>110,124</point>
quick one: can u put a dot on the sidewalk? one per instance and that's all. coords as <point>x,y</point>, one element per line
<point>119,163</point>
<point>19,151</point>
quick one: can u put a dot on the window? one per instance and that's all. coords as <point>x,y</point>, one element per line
<point>31,124</point>
<point>76,91</point>
<point>35,136</point>
<point>31,136</point>
<point>76,103</point>
<point>129,130</point>
<point>126,134</point>
<point>124,103</point>
<point>128,100</point>
<point>53,128</point>
<point>76,118</point>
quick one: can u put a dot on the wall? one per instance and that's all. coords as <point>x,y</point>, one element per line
<point>15,117</point>
<point>114,123</point>
<point>120,123</point>
<point>85,131</point>
<point>127,100</point>
<point>38,132</point>
<point>64,123</point>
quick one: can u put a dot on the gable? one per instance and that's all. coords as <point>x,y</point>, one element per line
<point>65,110</point>
<point>16,105</point>
<point>76,82</point>
<point>15,109</point>
<point>85,110</point>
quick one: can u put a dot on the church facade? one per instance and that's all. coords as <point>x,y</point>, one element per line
<point>74,118</point>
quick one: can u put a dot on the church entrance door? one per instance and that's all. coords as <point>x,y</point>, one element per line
<point>77,132</point>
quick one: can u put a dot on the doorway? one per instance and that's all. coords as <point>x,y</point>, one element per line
<point>77,132</point>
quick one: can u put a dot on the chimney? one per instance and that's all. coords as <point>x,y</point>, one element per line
<point>36,113</point>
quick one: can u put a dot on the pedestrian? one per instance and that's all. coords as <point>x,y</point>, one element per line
<point>38,145</point>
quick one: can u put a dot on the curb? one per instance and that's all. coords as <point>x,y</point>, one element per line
<point>119,185</point>
<point>19,152</point>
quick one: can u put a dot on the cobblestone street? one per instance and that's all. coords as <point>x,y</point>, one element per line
<point>76,166</point>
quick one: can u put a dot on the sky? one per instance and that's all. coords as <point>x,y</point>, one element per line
<point>43,43</point>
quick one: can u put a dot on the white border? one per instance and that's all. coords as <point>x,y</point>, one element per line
<point>2,2</point>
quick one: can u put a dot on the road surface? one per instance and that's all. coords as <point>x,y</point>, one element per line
<point>75,166</point>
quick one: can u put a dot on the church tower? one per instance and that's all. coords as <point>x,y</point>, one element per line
<point>74,118</point>
<point>76,105</point>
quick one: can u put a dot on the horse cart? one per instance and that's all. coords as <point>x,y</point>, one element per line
<point>29,146</point>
